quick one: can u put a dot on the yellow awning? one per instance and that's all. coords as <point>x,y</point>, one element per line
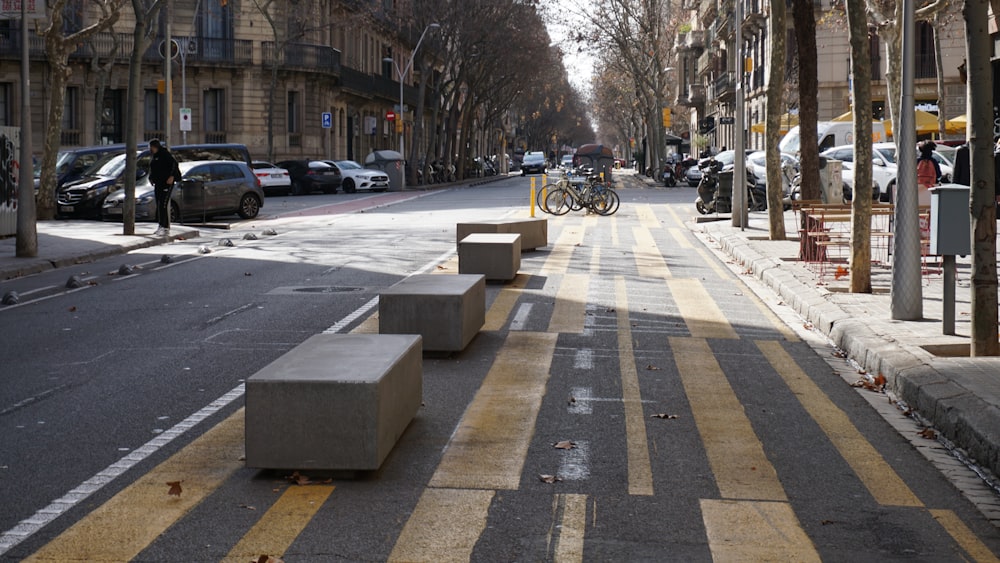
<point>956,124</point>
<point>788,120</point>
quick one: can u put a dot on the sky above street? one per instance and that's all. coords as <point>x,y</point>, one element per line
<point>561,17</point>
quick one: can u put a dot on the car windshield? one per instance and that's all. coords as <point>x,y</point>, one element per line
<point>108,165</point>
<point>261,165</point>
<point>888,153</point>
<point>316,165</point>
<point>726,157</point>
<point>349,165</point>
<point>62,161</point>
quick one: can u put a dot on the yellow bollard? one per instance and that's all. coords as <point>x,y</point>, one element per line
<point>532,197</point>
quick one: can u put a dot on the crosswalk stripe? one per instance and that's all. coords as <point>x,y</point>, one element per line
<point>964,536</point>
<point>562,250</point>
<point>491,442</point>
<point>505,301</point>
<point>640,472</point>
<point>648,258</point>
<point>572,527</point>
<point>701,314</point>
<point>882,481</point>
<point>678,236</point>
<point>741,468</point>
<point>595,260</point>
<point>127,523</point>
<point>615,235</point>
<point>647,218</point>
<point>444,526</point>
<point>274,533</point>
<point>741,530</point>
<point>570,310</point>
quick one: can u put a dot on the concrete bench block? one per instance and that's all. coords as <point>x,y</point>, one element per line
<point>534,231</point>
<point>495,255</point>
<point>446,310</point>
<point>334,402</point>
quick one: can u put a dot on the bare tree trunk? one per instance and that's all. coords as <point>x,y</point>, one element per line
<point>939,69</point>
<point>140,42</point>
<point>861,91</point>
<point>772,130</point>
<point>60,71</point>
<point>418,124</point>
<point>805,39</point>
<point>983,202</point>
<point>272,90</point>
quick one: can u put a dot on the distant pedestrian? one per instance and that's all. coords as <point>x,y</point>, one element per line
<point>928,170</point>
<point>163,172</point>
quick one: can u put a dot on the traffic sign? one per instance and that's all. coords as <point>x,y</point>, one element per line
<point>327,120</point>
<point>727,120</point>
<point>185,114</point>
<point>390,115</point>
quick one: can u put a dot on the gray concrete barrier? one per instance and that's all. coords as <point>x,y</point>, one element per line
<point>534,231</point>
<point>446,310</point>
<point>495,255</point>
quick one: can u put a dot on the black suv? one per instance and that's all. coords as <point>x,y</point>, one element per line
<point>312,175</point>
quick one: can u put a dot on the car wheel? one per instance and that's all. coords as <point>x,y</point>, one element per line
<point>890,193</point>
<point>175,213</point>
<point>249,206</point>
<point>349,187</point>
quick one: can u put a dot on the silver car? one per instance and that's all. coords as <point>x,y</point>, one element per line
<point>206,189</point>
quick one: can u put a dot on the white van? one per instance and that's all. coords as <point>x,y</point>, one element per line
<point>831,134</point>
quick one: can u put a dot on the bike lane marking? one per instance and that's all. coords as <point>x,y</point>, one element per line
<point>700,312</point>
<point>964,536</point>
<point>570,311</point>
<point>640,471</point>
<point>647,218</point>
<point>562,251</point>
<point>648,258</point>
<point>570,512</point>
<point>444,526</point>
<point>503,305</point>
<point>274,533</point>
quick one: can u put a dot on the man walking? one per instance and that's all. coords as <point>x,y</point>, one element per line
<point>163,172</point>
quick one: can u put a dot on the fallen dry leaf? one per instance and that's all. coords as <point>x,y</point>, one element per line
<point>248,507</point>
<point>440,267</point>
<point>880,381</point>
<point>651,367</point>
<point>549,478</point>
<point>838,353</point>
<point>267,559</point>
<point>928,433</point>
<point>564,445</point>
<point>572,400</point>
<point>175,488</point>
<point>665,415</point>
<point>841,272</point>
<point>72,309</point>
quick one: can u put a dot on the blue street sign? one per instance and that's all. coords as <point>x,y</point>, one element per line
<point>327,120</point>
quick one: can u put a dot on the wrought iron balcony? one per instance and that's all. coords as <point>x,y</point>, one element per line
<point>724,86</point>
<point>303,56</point>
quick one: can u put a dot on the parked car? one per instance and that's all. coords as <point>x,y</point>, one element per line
<point>757,163</point>
<point>567,162</point>
<point>273,180</point>
<point>883,167</point>
<point>206,189</point>
<point>534,162</point>
<point>356,177</point>
<point>888,151</point>
<point>72,164</point>
<point>312,175</point>
<point>85,197</point>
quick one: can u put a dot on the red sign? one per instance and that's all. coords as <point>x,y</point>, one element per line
<point>390,115</point>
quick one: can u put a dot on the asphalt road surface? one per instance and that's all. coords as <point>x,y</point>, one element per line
<point>629,399</point>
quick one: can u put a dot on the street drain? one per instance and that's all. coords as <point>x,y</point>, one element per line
<point>326,289</point>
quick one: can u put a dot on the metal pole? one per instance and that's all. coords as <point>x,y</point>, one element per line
<point>184,93</point>
<point>948,299</point>
<point>168,51</point>
<point>739,206</point>
<point>26,245</point>
<point>399,125</point>
<point>907,293</point>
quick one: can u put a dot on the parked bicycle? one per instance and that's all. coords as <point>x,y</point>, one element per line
<point>594,194</point>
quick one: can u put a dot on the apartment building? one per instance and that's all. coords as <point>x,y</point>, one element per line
<point>322,56</point>
<point>710,65</point>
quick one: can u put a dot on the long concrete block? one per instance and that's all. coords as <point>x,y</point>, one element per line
<point>495,255</point>
<point>336,401</point>
<point>446,310</point>
<point>534,231</point>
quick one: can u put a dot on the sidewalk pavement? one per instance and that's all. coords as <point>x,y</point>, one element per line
<point>959,396</point>
<point>64,243</point>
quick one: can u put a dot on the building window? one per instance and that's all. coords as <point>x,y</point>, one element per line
<point>215,115</point>
<point>6,104</point>
<point>71,134</point>
<point>926,63</point>
<point>294,123</point>
<point>875,46</point>
<point>72,17</point>
<point>152,114</point>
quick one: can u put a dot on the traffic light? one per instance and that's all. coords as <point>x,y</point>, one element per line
<point>667,117</point>
<point>399,124</point>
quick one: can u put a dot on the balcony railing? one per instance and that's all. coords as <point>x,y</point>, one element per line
<point>724,86</point>
<point>214,50</point>
<point>215,136</point>
<point>303,56</point>
<point>373,85</point>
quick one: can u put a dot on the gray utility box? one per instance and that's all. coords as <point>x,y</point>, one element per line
<point>390,162</point>
<point>831,180</point>
<point>950,221</point>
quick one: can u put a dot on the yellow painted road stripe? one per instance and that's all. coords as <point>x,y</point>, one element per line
<point>713,263</point>
<point>640,471</point>
<point>504,304</point>
<point>589,220</point>
<point>491,442</point>
<point>595,261</point>
<point>676,217</point>
<point>964,536</point>
<point>702,316</point>
<point>648,258</point>
<point>569,545</point>
<point>678,235</point>
<point>646,217</point>
<point>444,526</point>
<point>562,250</point>
<point>127,523</point>
<point>570,310</point>
<point>449,266</point>
<point>274,533</point>
<point>878,476</point>
<point>615,237</point>
<point>740,530</point>
<point>741,469</point>
<point>367,326</point>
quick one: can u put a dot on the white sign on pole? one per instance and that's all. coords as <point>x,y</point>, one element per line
<point>11,9</point>
<point>185,115</point>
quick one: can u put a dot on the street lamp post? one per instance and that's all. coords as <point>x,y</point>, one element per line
<point>401,74</point>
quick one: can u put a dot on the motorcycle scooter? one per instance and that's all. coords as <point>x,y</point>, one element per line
<point>709,201</point>
<point>668,177</point>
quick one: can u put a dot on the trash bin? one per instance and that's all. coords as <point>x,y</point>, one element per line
<point>390,162</point>
<point>600,157</point>
<point>724,196</point>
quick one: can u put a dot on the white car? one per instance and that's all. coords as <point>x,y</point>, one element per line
<point>272,178</point>
<point>883,165</point>
<point>947,168</point>
<point>357,177</point>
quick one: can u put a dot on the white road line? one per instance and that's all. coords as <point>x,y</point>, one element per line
<point>31,525</point>
<point>574,464</point>
<point>584,359</point>
<point>580,401</point>
<point>521,317</point>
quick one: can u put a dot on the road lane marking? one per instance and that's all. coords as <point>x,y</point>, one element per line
<point>571,510</point>
<point>562,251</point>
<point>595,261</point>
<point>583,359</point>
<point>648,258</point>
<point>520,320</point>
<point>647,218</point>
<point>701,314</point>
<point>570,311</point>
<point>640,471</point>
<point>444,526</point>
<point>741,468</point>
<point>574,463</point>
<point>615,236</point>
<point>741,530</point>
<point>489,447</point>
<point>580,402</point>
<point>678,236</point>
<point>882,482</point>
<point>274,533</point>
<point>128,522</point>
<point>505,301</point>
<point>964,536</point>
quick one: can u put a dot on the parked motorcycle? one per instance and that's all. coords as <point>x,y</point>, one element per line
<point>668,177</point>
<point>709,201</point>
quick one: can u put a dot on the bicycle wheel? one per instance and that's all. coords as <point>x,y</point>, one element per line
<point>540,200</point>
<point>605,202</point>
<point>581,200</point>
<point>558,202</point>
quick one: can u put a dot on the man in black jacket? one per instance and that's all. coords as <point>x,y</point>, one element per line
<point>163,172</point>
